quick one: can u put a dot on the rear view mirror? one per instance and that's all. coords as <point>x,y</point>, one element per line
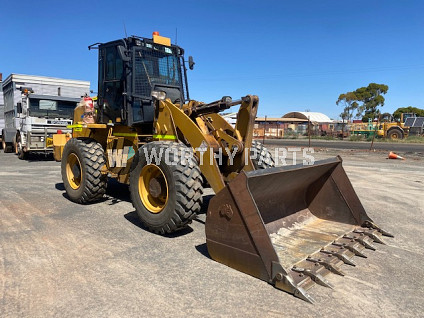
<point>19,108</point>
<point>190,62</point>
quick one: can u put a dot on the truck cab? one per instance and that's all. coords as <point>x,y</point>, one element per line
<point>37,107</point>
<point>39,117</point>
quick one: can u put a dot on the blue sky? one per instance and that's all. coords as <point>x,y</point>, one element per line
<point>295,55</point>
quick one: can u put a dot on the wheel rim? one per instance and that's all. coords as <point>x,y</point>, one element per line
<point>73,171</point>
<point>394,136</point>
<point>153,188</point>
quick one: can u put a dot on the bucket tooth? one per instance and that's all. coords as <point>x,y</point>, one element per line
<point>372,225</point>
<point>317,278</point>
<point>351,247</point>
<point>284,281</point>
<point>302,294</point>
<point>332,268</point>
<point>362,239</point>
<point>340,256</point>
<point>365,243</point>
<point>370,233</point>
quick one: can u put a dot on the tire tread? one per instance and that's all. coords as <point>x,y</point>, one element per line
<point>188,186</point>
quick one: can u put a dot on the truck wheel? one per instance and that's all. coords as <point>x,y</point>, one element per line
<point>395,133</point>
<point>260,156</point>
<point>7,146</point>
<point>166,193</point>
<point>82,161</point>
<point>19,149</point>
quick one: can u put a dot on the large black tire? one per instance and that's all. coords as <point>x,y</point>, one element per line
<point>180,191</point>
<point>82,161</point>
<point>395,134</point>
<point>260,156</point>
<point>7,146</point>
<point>14,145</point>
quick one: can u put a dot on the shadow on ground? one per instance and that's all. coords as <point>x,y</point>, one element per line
<point>117,192</point>
<point>203,249</point>
<point>34,157</point>
<point>133,218</point>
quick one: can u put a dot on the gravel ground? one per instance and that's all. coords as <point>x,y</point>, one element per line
<point>60,259</point>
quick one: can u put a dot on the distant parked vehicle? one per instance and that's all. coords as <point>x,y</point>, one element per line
<point>37,107</point>
<point>336,130</point>
<point>395,130</point>
<point>363,129</point>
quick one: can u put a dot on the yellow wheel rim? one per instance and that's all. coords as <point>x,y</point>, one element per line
<point>73,171</point>
<point>153,188</point>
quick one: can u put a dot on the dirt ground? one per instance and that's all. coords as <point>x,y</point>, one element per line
<point>60,259</point>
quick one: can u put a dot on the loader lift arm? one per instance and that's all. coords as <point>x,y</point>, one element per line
<point>205,131</point>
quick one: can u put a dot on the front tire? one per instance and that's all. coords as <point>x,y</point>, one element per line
<point>82,161</point>
<point>166,193</point>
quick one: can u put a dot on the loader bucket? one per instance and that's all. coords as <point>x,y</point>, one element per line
<point>290,226</point>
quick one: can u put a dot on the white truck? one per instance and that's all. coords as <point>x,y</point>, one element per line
<point>35,108</point>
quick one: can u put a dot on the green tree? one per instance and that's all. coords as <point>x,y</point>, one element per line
<point>387,117</point>
<point>409,109</point>
<point>372,98</point>
<point>349,103</point>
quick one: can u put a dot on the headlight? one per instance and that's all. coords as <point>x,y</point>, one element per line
<point>159,95</point>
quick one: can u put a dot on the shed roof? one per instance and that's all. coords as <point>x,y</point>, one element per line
<point>313,116</point>
<point>35,79</point>
<point>281,120</point>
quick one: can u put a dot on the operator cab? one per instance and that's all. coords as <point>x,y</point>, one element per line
<point>130,70</point>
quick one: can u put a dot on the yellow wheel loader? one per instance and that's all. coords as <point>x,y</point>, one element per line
<point>289,226</point>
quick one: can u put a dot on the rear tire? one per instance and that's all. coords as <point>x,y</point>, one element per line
<point>166,196</point>
<point>7,146</point>
<point>261,156</point>
<point>82,161</point>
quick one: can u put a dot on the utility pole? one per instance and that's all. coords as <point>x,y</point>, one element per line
<point>309,131</point>
<point>263,140</point>
<point>278,124</point>
<point>375,131</point>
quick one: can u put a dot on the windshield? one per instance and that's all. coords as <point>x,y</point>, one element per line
<point>154,67</point>
<point>51,108</point>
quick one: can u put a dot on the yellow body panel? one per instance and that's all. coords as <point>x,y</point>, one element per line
<point>59,141</point>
